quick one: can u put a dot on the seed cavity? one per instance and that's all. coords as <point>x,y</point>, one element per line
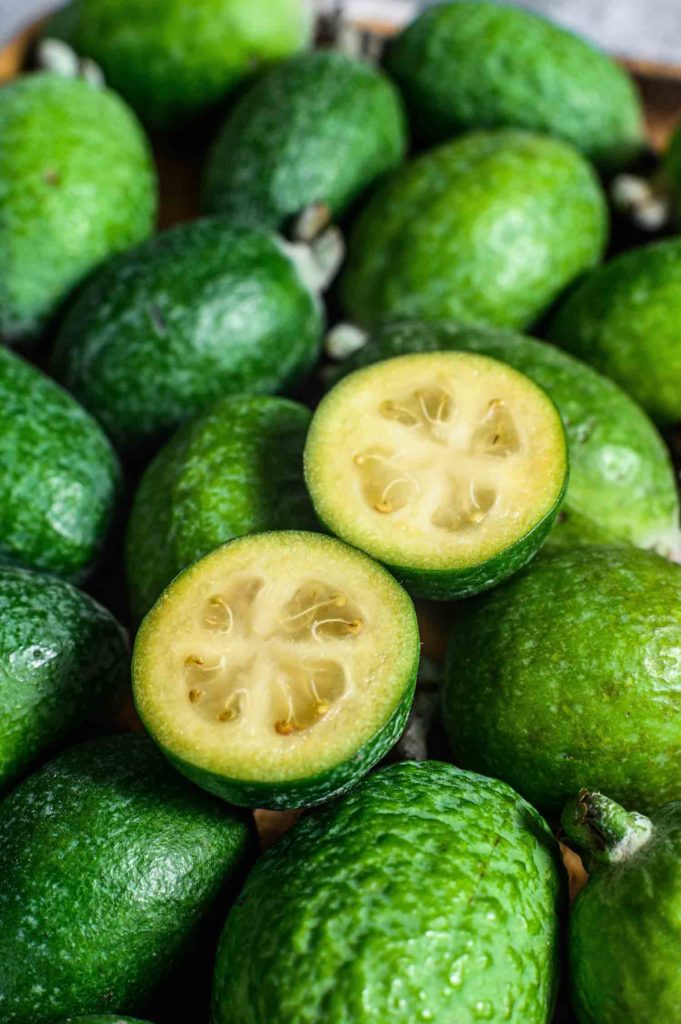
<point>387,485</point>
<point>305,693</point>
<point>466,506</point>
<point>497,433</point>
<point>427,409</point>
<point>232,611</point>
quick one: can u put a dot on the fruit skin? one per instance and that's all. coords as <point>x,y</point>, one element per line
<point>236,469</point>
<point>319,128</point>
<point>424,890</point>
<point>624,927</point>
<point>171,60</point>
<point>622,485</point>
<point>62,656</point>
<point>487,229</point>
<point>77,184</point>
<point>311,788</point>
<point>109,862</point>
<point>470,65</point>
<point>568,676</point>
<point>623,320</point>
<point>60,477</point>
<point>203,310</point>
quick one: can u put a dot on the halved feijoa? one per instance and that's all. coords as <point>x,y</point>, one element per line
<point>449,467</point>
<point>279,669</point>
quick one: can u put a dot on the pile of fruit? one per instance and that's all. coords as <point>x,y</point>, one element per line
<point>235,452</point>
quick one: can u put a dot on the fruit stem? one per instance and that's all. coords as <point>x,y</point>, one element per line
<point>602,829</point>
<point>58,57</point>
<point>318,261</point>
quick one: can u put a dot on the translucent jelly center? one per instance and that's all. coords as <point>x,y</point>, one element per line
<point>260,653</point>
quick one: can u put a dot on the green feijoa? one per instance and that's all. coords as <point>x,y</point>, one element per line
<point>60,477</point>
<point>623,320</point>
<point>481,65</point>
<point>487,229</point>
<point>203,310</point>
<point>625,926</point>
<point>317,129</point>
<point>62,657</point>
<point>277,670</point>
<point>172,60</point>
<point>569,675</point>
<point>622,484</point>
<point>76,185</point>
<point>448,467</point>
<point>426,893</point>
<point>236,469</point>
<point>110,862</point>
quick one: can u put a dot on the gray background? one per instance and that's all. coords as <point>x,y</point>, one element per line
<point>647,29</point>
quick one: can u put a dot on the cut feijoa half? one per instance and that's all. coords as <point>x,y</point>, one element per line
<point>448,467</point>
<point>278,669</point>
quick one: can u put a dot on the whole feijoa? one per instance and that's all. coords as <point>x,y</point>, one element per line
<point>110,863</point>
<point>317,129</point>
<point>569,676</point>
<point>624,319</point>
<point>171,59</point>
<point>625,926</point>
<point>60,476</point>
<point>487,229</point>
<point>426,893</point>
<point>76,184</point>
<point>204,309</point>
<point>476,64</point>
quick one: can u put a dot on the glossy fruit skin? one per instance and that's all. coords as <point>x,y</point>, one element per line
<point>622,485</point>
<point>567,676</point>
<point>426,893</point>
<point>625,933</point>
<point>77,184</point>
<point>470,65</point>
<point>60,477</point>
<point>319,128</point>
<point>236,469</point>
<point>62,657</point>
<point>623,320</point>
<point>171,60</point>
<point>488,229</point>
<point>203,310</point>
<point>110,861</point>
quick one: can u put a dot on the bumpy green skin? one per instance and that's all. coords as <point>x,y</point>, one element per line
<point>60,476</point>
<point>625,932</point>
<point>62,656</point>
<point>622,484</point>
<point>569,676</point>
<point>171,59</point>
<point>77,184</point>
<point>481,65</point>
<point>427,893</point>
<point>624,319</point>
<point>203,310</point>
<point>487,229</point>
<point>317,129</point>
<point>109,862</point>
<point>236,469</point>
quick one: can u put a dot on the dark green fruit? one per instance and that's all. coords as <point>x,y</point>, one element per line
<point>76,185</point>
<point>62,657</point>
<point>109,861</point>
<point>426,894</point>
<point>487,229</point>
<point>60,477</point>
<point>481,65</point>
<point>279,669</point>
<point>203,310</point>
<point>236,469</point>
<point>172,59</point>
<point>625,928</point>
<point>448,467</point>
<point>624,319</point>
<point>317,129</point>
<point>622,484</point>
<point>569,675</point>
